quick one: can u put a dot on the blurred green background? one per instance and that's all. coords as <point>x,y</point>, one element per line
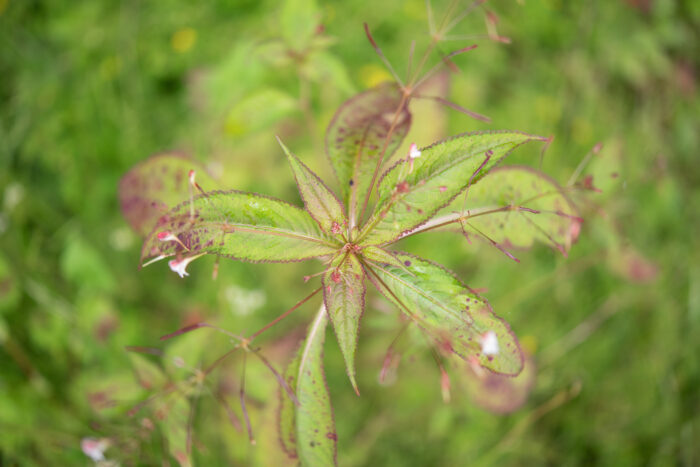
<point>89,88</point>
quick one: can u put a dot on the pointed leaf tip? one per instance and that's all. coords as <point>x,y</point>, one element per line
<point>344,297</point>
<point>320,202</point>
<point>308,432</point>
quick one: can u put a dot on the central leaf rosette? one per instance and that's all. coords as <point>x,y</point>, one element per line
<point>452,185</point>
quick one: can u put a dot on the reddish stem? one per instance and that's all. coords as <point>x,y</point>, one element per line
<point>284,315</point>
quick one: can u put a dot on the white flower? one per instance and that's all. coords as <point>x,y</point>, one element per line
<point>489,343</point>
<point>413,151</point>
<point>179,266</point>
<point>192,175</point>
<point>94,448</point>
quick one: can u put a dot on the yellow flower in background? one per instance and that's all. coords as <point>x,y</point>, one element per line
<point>183,40</point>
<point>372,75</point>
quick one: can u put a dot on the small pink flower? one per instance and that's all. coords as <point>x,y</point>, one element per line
<point>179,266</point>
<point>191,175</point>
<point>413,151</point>
<point>94,448</point>
<point>489,343</point>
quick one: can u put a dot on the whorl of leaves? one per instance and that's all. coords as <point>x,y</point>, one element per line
<point>453,184</point>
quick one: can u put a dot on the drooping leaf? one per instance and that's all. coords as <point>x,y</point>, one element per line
<point>357,136</point>
<point>259,110</point>
<point>307,431</point>
<point>152,187</point>
<point>344,297</point>
<point>414,190</point>
<point>238,225</point>
<point>496,393</point>
<point>321,203</point>
<point>455,316</point>
<point>539,210</point>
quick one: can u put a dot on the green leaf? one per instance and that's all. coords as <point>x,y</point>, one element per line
<point>287,410</point>
<point>259,110</point>
<point>298,22</point>
<point>242,64</point>
<point>307,431</point>
<point>148,374</point>
<point>358,133</point>
<point>155,185</point>
<point>321,203</point>
<point>382,256</point>
<point>83,265</point>
<point>170,403</point>
<point>455,316</point>
<point>344,296</point>
<point>537,209</point>
<point>414,190</point>
<point>10,289</point>
<point>325,68</point>
<point>238,225</point>
<point>176,427</point>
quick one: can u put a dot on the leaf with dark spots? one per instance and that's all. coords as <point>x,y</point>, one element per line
<point>344,297</point>
<point>379,255</point>
<point>452,314</point>
<point>357,137</point>
<point>286,416</point>
<point>305,429</point>
<point>415,189</point>
<point>538,210</point>
<point>238,225</point>
<point>321,203</point>
<point>152,187</point>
